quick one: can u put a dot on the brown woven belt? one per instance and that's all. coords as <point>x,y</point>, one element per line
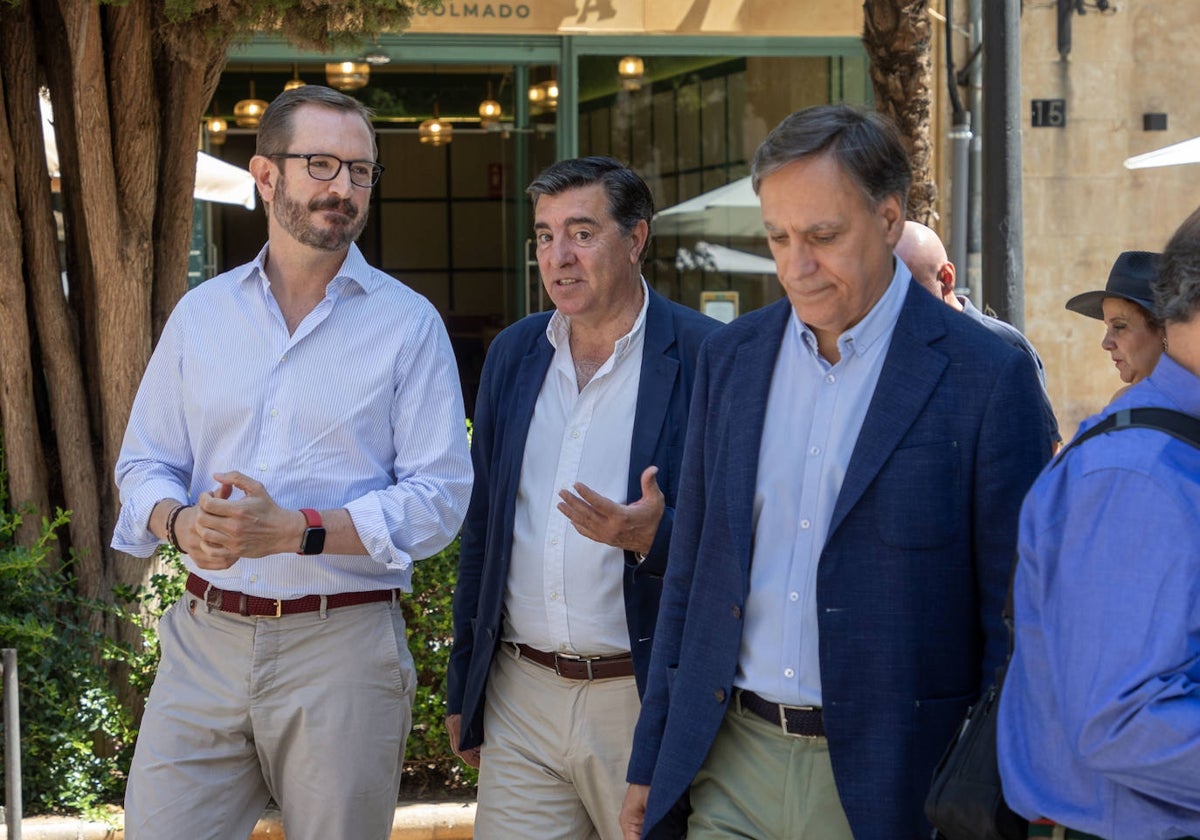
<point>579,667</point>
<point>243,604</point>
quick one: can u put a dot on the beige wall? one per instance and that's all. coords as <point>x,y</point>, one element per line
<point>812,18</point>
<point>1081,206</point>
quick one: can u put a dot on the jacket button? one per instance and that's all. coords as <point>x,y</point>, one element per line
<point>736,610</point>
<point>720,695</point>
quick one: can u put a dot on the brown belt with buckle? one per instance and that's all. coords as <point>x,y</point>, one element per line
<point>579,667</point>
<point>801,721</point>
<point>243,604</point>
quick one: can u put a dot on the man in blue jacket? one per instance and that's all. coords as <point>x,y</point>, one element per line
<point>856,457</point>
<point>578,435</point>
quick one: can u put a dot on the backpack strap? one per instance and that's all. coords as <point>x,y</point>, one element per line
<point>1178,425</point>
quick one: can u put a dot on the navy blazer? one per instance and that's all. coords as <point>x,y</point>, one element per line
<point>512,377</point>
<point>911,580</point>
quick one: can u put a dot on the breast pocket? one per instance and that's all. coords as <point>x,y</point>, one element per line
<point>920,496</point>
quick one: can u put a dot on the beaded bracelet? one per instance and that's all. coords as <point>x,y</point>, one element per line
<point>171,517</point>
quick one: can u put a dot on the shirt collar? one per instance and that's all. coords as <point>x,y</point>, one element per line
<point>876,326</point>
<point>354,269</point>
<point>558,331</point>
<point>1177,383</point>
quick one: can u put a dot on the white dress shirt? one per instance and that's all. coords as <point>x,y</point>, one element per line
<point>814,414</point>
<point>564,590</point>
<point>360,409</point>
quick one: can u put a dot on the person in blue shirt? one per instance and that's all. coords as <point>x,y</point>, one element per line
<point>1099,725</point>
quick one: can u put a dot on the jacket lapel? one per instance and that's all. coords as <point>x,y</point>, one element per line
<point>911,371</point>
<point>660,368</point>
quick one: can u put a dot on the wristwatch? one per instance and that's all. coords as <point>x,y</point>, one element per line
<point>313,541</point>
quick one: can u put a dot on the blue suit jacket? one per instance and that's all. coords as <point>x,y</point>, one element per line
<point>513,372</point>
<point>911,580</point>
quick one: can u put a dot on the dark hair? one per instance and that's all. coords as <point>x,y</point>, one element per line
<point>629,199</point>
<point>1177,289</point>
<point>275,129</point>
<point>865,143</point>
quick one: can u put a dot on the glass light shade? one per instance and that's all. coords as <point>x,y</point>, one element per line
<point>435,132</point>
<point>347,75</point>
<point>293,83</point>
<point>631,69</point>
<point>544,95</point>
<point>248,113</point>
<point>217,126</point>
<point>489,112</point>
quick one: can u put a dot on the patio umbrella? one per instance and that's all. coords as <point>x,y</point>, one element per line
<point>709,257</point>
<point>1186,152</point>
<point>216,180</point>
<point>731,210</point>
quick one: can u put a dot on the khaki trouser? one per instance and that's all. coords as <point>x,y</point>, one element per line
<point>554,754</point>
<point>759,782</point>
<point>312,711</point>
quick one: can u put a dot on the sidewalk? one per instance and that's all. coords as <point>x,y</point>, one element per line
<point>413,821</point>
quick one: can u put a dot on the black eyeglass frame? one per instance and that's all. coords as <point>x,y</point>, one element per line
<point>376,168</point>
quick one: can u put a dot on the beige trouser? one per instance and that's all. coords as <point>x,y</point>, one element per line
<point>554,755</point>
<point>758,782</point>
<point>312,711</point>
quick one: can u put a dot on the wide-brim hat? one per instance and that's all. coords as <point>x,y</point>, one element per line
<point>1131,277</point>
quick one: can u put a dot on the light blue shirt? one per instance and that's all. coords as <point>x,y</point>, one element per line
<point>814,413</point>
<point>1099,725</point>
<point>360,409</point>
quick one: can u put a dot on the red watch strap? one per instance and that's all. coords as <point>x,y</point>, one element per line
<point>311,517</point>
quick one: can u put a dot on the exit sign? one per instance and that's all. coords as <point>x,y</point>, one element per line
<point>1049,113</point>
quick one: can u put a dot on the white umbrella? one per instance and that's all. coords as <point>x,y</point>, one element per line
<point>719,258</point>
<point>1186,152</point>
<point>216,180</point>
<point>731,210</point>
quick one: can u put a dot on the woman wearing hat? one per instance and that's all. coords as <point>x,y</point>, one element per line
<point>1134,336</point>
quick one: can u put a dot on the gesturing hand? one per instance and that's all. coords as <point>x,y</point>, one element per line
<point>629,527</point>
<point>251,526</point>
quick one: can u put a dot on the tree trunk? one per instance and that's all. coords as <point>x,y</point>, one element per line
<point>896,35</point>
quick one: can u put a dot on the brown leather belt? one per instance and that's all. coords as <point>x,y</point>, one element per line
<point>579,667</point>
<point>801,721</point>
<point>243,604</point>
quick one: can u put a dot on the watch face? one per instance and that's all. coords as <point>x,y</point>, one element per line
<point>313,542</point>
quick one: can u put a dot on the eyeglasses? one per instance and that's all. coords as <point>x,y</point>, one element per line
<point>363,173</point>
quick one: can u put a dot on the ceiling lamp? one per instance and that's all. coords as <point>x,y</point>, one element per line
<point>632,71</point>
<point>489,110</point>
<point>248,112</point>
<point>295,81</point>
<point>347,75</point>
<point>544,95</point>
<point>216,127</point>
<point>435,131</point>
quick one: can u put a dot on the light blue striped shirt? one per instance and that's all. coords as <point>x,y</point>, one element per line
<point>360,409</point>
<point>814,413</point>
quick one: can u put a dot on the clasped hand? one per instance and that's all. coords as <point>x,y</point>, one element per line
<point>220,530</point>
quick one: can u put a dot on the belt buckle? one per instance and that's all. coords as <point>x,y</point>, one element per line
<point>783,721</point>
<point>278,608</point>
<point>586,660</point>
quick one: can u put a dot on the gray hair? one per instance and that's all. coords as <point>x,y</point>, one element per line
<point>275,129</point>
<point>629,199</point>
<point>1177,289</point>
<point>865,144</point>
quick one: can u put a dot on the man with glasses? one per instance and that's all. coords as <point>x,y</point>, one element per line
<point>299,437</point>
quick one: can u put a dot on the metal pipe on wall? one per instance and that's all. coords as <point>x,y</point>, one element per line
<point>12,745</point>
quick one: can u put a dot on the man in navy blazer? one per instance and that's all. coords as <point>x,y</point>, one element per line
<point>577,412</point>
<point>855,462</point>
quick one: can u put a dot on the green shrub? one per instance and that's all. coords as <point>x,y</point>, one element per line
<point>76,739</point>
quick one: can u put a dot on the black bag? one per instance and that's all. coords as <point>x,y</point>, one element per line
<point>966,800</point>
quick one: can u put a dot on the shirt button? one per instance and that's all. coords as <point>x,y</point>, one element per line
<point>254,578</point>
<point>262,467</point>
<point>274,412</point>
<point>736,611</point>
<point>719,694</point>
<point>816,450</point>
<point>793,596</point>
<point>575,433</point>
<point>804,523</point>
<point>830,378</point>
<point>283,358</point>
<point>553,596</point>
<point>554,541</point>
<point>789,673</point>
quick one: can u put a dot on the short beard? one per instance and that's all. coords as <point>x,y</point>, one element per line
<point>296,219</point>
